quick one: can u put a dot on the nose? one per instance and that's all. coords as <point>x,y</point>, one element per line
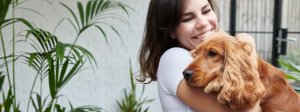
<point>187,74</point>
<point>202,22</point>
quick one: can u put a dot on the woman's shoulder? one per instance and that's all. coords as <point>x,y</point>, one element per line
<point>176,53</point>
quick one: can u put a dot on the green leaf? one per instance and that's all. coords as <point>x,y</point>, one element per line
<point>94,4</point>
<point>72,14</point>
<point>26,23</point>
<point>31,10</point>
<point>52,82</point>
<point>36,109</point>
<point>99,6</point>
<point>45,101</point>
<point>62,73</point>
<point>9,101</point>
<point>105,4</point>
<point>1,81</point>
<point>47,38</point>
<point>71,73</point>
<point>48,109</point>
<point>58,48</point>
<point>49,59</point>
<point>81,12</point>
<point>62,21</point>
<point>77,54</point>
<point>39,100</point>
<point>87,108</point>
<point>71,105</point>
<point>88,10</point>
<point>4,9</point>
<point>117,33</point>
<point>121,5</point>
<point>102,32</point>
<point>289,66</point>
<point>291,77</point>
<point>62,52</point>
<point>32,57</point>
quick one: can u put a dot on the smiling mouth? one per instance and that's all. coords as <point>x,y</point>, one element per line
<point>204,35</point>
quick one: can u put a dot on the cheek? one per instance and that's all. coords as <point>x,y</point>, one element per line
<point>184,30</point>
<point>213,21</point>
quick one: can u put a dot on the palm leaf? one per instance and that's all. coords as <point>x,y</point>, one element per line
<point>88,10</point>
<point>62,21</point>
<point>30,10</point>
<point>32,57</point>
<point>289,66</point>
<point>63,71</point>
<point>72,14</point>
<point>102,33</point>
<point>99,6</point>
<point>81,12</point>
<point>88,108</point>
<point>4,5</point>
<point>33,103</point>
<point>94,4</point>
<point>11,21</point>
<point>52,81</point>
<point>2,77</point>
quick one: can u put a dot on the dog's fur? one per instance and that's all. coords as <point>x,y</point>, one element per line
<point>223,65</point>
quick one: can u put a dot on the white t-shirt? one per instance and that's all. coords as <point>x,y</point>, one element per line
<point>169,74</point>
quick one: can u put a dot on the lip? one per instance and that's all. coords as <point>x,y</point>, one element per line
<point>203,33</point>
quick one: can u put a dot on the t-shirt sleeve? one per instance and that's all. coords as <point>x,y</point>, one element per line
<point>171,65</point>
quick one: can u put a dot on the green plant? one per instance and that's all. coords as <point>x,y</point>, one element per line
<point>292,56</point>
<point>131,103</point>
<point>50,59</point>
<point>293,74</point>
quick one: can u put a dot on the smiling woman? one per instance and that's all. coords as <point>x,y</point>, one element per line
<point>173,28</point>
<point>198,21</point>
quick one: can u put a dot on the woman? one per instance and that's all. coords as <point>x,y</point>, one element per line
<point>173,28</point>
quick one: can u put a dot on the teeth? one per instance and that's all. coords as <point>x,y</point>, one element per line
<point>204,35</point>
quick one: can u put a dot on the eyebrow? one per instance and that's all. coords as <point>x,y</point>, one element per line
<point>189,13</point>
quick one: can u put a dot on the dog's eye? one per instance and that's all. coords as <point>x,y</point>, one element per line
<point>211,54</point>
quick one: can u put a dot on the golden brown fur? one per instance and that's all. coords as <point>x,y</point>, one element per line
<point>223,65</point>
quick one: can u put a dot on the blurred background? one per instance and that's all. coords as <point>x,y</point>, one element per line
<point>81,54</point>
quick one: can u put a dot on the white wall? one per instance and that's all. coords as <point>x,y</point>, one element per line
<point>102,87</point>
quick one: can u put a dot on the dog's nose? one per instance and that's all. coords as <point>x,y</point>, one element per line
<point>187,74</point>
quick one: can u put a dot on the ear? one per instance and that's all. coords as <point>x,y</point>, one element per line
<point>193,53</point>
<point>172,35</point>
<point>242,87</point>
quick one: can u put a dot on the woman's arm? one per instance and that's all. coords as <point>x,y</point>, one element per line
<point>199,100</point>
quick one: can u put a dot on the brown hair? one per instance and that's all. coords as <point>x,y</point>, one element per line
<point>162,19</point>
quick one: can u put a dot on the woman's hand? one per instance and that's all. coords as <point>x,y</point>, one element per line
<point>243,37</point>
<point>196,98</point>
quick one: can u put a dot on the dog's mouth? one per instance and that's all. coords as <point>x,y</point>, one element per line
<point>200,82</point>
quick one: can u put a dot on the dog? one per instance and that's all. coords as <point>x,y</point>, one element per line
<point>224,66</point>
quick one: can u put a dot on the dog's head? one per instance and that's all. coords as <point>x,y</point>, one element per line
<point>223,65</point>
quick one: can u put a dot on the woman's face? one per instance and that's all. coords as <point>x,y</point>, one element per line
<point>198,22</point>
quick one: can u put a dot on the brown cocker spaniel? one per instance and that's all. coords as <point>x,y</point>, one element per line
<point>223,65</point>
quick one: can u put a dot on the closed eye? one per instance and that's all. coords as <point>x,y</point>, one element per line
<point>211,54</point>
<point>186,20</point>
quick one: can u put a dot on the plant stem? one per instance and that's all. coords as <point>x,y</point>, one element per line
<point>31,91</point>
<point>14,82</point>
<point>74,43</point>
<point>55,104</point>
<point>41,88</point>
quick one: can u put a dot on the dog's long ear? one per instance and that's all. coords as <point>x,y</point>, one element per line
<point>242,87</point>
<point>193,53</point>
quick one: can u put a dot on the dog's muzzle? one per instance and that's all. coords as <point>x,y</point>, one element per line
<point>187,74</point>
